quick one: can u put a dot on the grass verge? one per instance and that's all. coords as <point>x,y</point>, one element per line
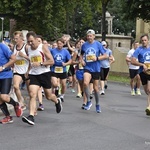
<point>119,77</point>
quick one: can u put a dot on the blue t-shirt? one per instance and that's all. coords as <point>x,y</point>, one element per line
<point>89,50</point>
<point>5,54</point>
<point>105,63</point>
<point>143,55</point>
<point>60,56</point>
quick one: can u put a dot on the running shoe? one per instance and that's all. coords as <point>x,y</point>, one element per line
<point>106,86</point>
<point>132,92</point>
<point>98,109</point>
<point>88,105</point>
<point>102,92</point>
<point>83,105</point>
<point>147,111</point>
<point>40,108</point>
<point>29,120</point>
<point>18,110</point>
<point>59,106</point>
<point>62,99</point>
<point>138,92</point>
<point>7,119</point>
<point>79,95</point>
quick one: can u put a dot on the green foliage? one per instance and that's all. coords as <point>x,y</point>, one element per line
<point>137,8</point>
<point>120,25</point>
<point>52,18</point>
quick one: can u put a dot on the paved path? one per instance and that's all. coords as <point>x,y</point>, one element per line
<point>122,125</point>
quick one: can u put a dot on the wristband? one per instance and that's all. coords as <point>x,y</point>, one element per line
<point>97,58</point>
<point>41,64</point>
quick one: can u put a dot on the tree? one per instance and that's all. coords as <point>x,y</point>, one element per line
<point>137,9</point>
<point>104,8</point>
<point>29,14</point>
<point>120,24</point>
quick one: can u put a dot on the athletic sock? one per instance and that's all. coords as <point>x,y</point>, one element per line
<point>96,97</point>
<point>4,109</point>
<point>12,102</point>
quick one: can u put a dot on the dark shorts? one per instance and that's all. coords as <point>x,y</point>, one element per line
<point>41,80</point>
<point>5,85</point>
<point>104,73</point>
<point>133,72</point>
<point>21,75</point>
<point>71,71</point>
<point>94,75</point>
<point>59,75</point>
<point>144,78</point>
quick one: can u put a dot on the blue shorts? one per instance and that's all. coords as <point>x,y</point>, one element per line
<point>79,74</point>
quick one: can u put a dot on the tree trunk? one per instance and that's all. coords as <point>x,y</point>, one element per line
<point>104,21</point>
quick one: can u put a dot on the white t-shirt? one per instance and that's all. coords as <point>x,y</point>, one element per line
<point>129,55</point>
<point>21,65</point>
<point>37,56</point>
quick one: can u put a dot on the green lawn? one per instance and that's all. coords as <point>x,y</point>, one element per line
<point>123,78</point>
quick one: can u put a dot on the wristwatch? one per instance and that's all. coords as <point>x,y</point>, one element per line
<point>41,64</point>
<point>3,67</point>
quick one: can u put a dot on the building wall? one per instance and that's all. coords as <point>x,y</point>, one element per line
<point>142,28</point>
<point>119,51</point>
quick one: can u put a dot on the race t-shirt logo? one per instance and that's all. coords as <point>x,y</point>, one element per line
<point>90,54</point>
<point>58,58</point>
<point>146,56</point>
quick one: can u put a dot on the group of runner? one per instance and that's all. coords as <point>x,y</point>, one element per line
<point>46,69</point>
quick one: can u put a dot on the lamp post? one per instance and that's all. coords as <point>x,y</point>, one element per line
<point>2,26</point>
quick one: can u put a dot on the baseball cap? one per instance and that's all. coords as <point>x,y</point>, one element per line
<point>104,43</point>
<point>90,31</point>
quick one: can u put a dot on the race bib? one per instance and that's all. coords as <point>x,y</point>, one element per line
<point>148,67</point>
<point>80,66</point>
<point>20,62</point>
<point>36,59</point>
<point>89,57</point>
<point>58,70</point>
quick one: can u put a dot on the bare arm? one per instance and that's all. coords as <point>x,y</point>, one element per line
<point>67,63</point>
<point>111,59</point>
<point>69,47</point>
<point>74,57</point>
<point>23,55</point>
<point>101,57</point>
<point>48,55</point>
<point>9,63</point>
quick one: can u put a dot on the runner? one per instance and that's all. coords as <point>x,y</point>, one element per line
<point>61,58</point>
<point>40,61</point>
<point>94,52</point>
<point>134,72</point>
<point>21,65</point>
<point>6,75</point>
<point>79,70</point>
<point>105,66</point>
<point>141,57</point>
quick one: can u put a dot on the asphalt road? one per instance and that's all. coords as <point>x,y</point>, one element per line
<point>122,125</point>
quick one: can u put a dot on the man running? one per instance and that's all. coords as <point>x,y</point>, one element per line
<point>39,74</point>
<point>93,52</point>
<point>141,57</point>
<point>62,58</point>
<point>21,65</point>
